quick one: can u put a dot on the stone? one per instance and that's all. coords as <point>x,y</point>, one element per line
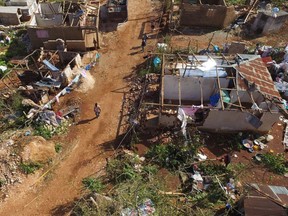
<point>269,138</point>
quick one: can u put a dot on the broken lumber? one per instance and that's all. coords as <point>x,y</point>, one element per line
<point>171,193</point>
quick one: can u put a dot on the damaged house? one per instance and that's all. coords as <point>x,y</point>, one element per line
<point>117,10</point>
<point>217,93</point>
<point>15,12</point>
<point>43,74</point>
<point>75,24</point>
<point>203,13</point>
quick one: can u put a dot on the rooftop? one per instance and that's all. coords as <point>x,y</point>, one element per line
<point>266,200</point>
<point>255,72</point>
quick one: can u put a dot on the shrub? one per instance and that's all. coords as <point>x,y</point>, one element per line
<point>58,147</point>
<point>275,163</point>
<point>143,72</point>
<point>42,130</point>
<point>93,184</point>
<point>176,154</point>
<point>121,170</point>
<point>212,169</point>
<point>48,131</point>
<point>31,167</point>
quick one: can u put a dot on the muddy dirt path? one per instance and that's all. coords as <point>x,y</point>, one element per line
<point>91,138</point>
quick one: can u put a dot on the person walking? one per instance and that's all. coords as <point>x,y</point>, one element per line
<point>143,45</point>
<point>97,110</point>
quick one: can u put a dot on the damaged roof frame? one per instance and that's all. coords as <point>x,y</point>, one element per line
<point>226,62</point>
<point>9,78</point>
<point>219,89</point>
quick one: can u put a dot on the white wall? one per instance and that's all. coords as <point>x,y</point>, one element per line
<point>190,87</point>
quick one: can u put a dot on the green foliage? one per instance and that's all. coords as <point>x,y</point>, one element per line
<point>212,169</point>
<point>2,182</point>
<point>132,193</point>
<point>43,130</point>
<point>120,170</point>
<point>236,168</point>
<point>31,167</point>
<point>16,102</point>
<point>15,48</point>
<point>235,2</point>
<point>48,131</point>
<point>58,147</point>
<point>93,184</point>
<point>275,163</point>
<point>12,109</point>
<point>84,209</point>
<point>176,154</point>
<point>12,104</point>
<point>213,196</point>
<point>143,72</point>
<point>278,3</point>
<point>167,4</point>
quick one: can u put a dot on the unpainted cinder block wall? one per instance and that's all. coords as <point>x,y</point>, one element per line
<point>225,120</point>
<point>216,16</point>
<point>9,19</point>
<point>265,24</point>
<point>65,33</point>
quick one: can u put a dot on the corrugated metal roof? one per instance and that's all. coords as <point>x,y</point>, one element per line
<point>278,189</point>
<point>261,206</point>
<point>256,72</point>
<point>279,193</point>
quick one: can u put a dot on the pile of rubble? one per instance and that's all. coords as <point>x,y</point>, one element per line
<point>19,147</point>
<point>132,98</point>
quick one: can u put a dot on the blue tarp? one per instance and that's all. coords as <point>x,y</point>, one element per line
<point>156,61</point>
<point>214,99</point>
<point>50,66</point>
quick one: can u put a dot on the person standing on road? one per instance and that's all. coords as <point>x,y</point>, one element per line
<point>145,37</point>
<point>144,41</point>
<point>97,110</point>
<point>143,44</point>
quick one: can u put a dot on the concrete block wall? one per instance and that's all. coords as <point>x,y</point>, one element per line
<point>265,23</point>
<point>224,120</point>
<point>216,16</point>
<point>49,20</point>
<point>53,33</point>
<point>9,19</point>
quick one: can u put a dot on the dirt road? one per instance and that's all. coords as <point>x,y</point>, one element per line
<point>92,138</point>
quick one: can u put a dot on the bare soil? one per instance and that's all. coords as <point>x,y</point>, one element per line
<point>90,142</point>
